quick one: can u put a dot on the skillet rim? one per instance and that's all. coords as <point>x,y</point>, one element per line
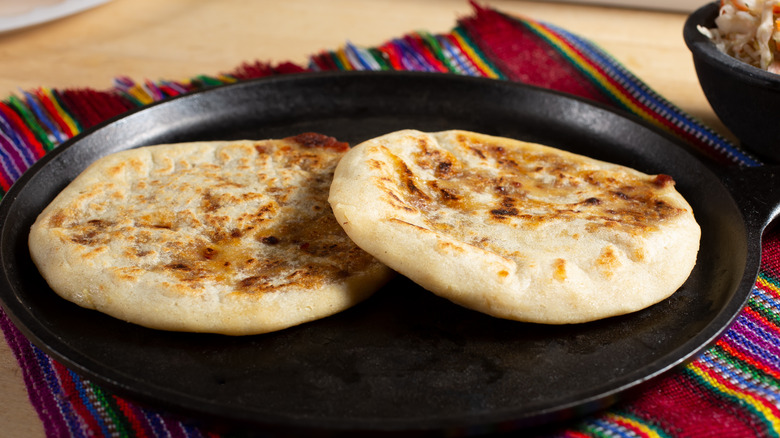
<point>12,195</point>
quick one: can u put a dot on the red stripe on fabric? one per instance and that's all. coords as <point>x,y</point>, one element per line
<point>768,290</point>
<point>153,90</point>
<point>64,113</point>
<point>17,163</point>
<point>725,345</point>
<point>456,42</point>
<point>74,397</point>
<point>135,417</point>
<point>393,57</point>
<point>575,434</point>
<point>678,405</point>
<point>513,48</point>
<point>765,323</point>
<point>752,417</point>
<point>419,45</point>
<point>7,178</point>
<point>5,183</point>
<point>628,426</point>
<point>54,113</point>
<point>169,91</point>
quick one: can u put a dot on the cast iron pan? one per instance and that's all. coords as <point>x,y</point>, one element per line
<point>403,361</point>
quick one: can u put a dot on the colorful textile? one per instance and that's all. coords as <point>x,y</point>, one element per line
<point>732,389</point>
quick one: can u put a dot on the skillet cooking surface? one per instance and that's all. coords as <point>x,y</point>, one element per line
<point>405,359</point>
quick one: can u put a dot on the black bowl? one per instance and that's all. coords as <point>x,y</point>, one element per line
<point>744,97</point>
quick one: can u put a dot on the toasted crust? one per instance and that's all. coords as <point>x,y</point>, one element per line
<point>226,237</point>
<point>514,229</point>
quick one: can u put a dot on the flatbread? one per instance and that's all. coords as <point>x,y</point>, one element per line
<point>232,237</point>
<point>514,229</point>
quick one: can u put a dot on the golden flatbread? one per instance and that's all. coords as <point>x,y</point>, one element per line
<point>232,237</point>
<point>513,229</point>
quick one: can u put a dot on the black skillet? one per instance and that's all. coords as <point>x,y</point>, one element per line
<point>405,360</point>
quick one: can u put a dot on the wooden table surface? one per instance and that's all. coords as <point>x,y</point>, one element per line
<point>177,39</point>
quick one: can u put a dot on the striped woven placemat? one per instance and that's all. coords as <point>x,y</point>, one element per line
<point>732,389</point>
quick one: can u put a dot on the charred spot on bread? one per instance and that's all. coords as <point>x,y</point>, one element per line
<point>317,140</point>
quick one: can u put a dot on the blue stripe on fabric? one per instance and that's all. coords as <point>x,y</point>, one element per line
<point>739,379</point>
<point>72,419</point>
<point>639,90</point>
<point>6,161</point>
<point>612,429</point>
<point>766,299</point>
<point>356,58</point>
<point>742,341</point>
<point>88,404</point>
<point>19,143</point>
<point>460,59</point>
<point>32,102</point>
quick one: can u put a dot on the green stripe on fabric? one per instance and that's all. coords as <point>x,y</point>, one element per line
<point>379,56</point>
<point>111,413</point>
<point>557,45</point>
<point>206,81</point>
<point>769,279</point>
<point>595,430</point>
<point>132,99</point>
<point>748,371</point>
<point>56,96</point>
<point>767,311</point>
<point>463,34</point>
<point>731,399</point>
<point>337,61</point>
<point>437,50</point>
<point>31,121</point>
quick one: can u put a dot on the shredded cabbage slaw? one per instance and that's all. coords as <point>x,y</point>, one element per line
<point>748,30</point>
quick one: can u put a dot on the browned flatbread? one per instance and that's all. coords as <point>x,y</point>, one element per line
<point>514,229</point>
<point>232,237</point>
